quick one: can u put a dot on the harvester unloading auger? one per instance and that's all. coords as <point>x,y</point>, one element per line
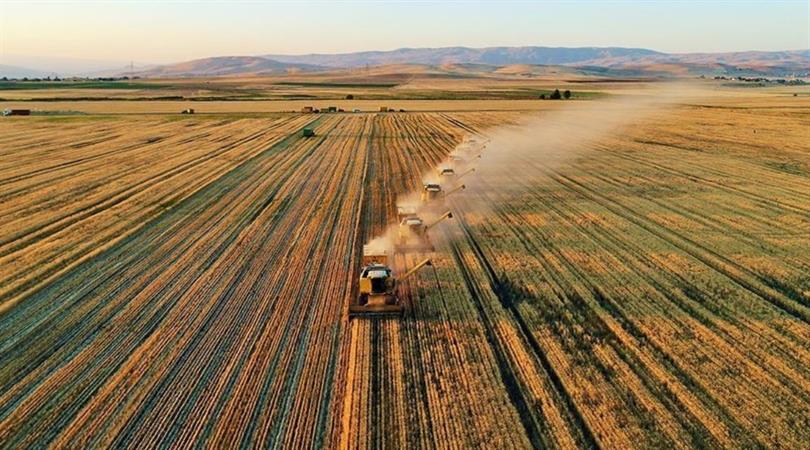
<point>466,172</point>
<point>412,235</point>
<point>378,286</point>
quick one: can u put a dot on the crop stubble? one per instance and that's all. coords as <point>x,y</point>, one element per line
<point>184,283</point>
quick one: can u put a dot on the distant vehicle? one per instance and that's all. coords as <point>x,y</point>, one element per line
<point>357,110</point>
<point>308,132</point>
<point>187,111</point>
<point>16,112</point>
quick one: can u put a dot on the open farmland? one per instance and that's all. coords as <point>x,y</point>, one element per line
<point>174,282</point>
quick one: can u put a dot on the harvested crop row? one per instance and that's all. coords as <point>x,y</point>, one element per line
<point>582,243</point>
<point>84,213</point>
<point>578,304</point>
<point>219,320</point>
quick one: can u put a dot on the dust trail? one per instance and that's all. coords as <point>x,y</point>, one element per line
<point>520,156</point>
<point>510,159</point>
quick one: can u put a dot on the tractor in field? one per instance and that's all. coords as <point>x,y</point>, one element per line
<point>412,235</point>
<point>308,132</point>
<point>377,286</point>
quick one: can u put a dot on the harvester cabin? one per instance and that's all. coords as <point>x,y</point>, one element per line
<point>412,222</point>
<point>403,212</point>
<point>433,187</point>
<point>431,191</point>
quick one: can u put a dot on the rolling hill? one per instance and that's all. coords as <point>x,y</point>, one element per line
<point>20,72</point>
<point>502,61</point>
<point>496,56</point>
<point>225,66</point>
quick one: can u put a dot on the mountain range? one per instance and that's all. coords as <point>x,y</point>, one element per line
<point>496,56</point>
<point>605,61</point>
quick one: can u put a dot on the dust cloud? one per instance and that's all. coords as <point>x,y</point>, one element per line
<point>518,157</point>
<point>510,159</point>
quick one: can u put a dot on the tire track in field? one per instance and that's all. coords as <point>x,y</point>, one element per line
<point>584,435</point>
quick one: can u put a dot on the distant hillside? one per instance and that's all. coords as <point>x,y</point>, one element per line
<point>624,60</point>
<point>783,63</point>
<point>226,65</point>
<point>505,61</point>
<point>495,56</point>
<point>21,72</point>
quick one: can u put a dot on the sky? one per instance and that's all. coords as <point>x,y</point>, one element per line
<point>152,31</point>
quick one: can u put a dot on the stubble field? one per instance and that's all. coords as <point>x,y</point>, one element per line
<point>184,282</point>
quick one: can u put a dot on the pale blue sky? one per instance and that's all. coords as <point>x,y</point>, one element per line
<point>159,31</point>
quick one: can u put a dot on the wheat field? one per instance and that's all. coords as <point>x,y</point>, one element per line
<point>183,282</point>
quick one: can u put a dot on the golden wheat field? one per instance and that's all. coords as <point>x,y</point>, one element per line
<point>174,281</point>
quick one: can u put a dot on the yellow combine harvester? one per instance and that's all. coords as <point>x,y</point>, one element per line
<point>378,286</point>
<point>403,212</point>
<point>447,173</point>
<point>412,235</point>
<point>433,191</point>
